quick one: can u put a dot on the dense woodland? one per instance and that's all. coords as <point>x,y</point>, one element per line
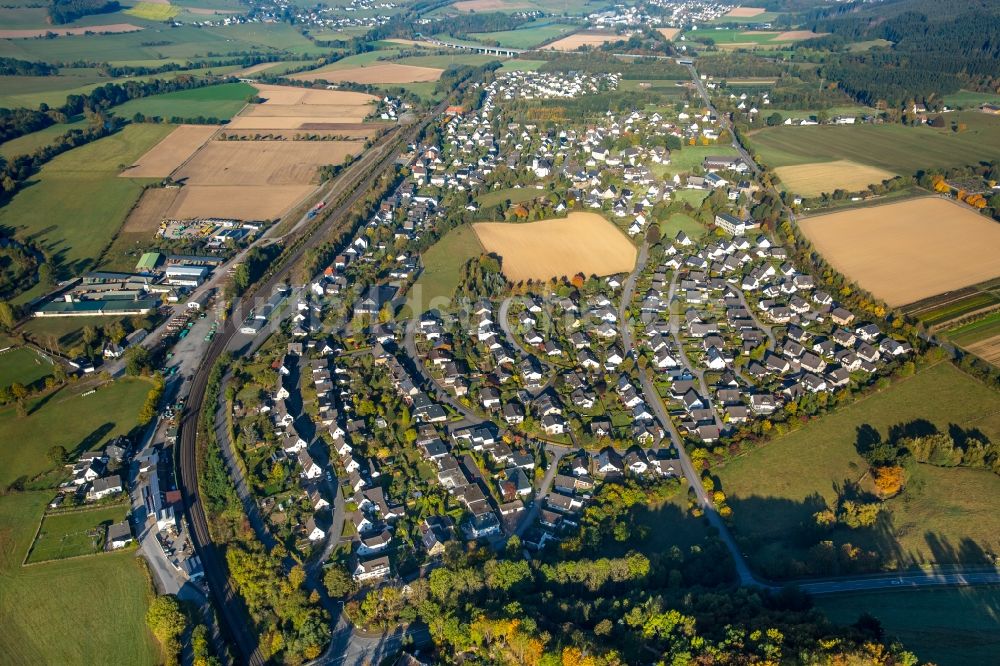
<point>15,67</point>
<point>67,11</point>
<point>934,52</point>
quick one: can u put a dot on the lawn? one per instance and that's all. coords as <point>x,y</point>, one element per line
<point>898,148</point>
<point>681,222</point>
<point>83,611</point>
<point>222,101</point>
<point>688,157</point>
<point>77,202</point>
<point>24,366</point>
<point>946,626</point>
<point>65,330</point>
<point>442,263</point>
<point>515,195</point>
<point>74,533</point>
<point>691,197</point>
<point>526,37</point>
<point>776,489</point>
<point>69,419</point>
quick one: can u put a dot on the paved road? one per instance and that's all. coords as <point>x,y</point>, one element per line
<point>654,400</point>
<point>350,186</point>
<point>768,331</point>
<point>724,120</point>
<point>440,394</point>
<point>699,374</point>
<point>556,452</point>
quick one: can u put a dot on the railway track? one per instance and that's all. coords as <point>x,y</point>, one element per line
<point>355,182</point>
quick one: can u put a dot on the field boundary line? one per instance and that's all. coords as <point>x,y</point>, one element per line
<point>99,553</point>
<point>968,318</point>
<point>880,203</point>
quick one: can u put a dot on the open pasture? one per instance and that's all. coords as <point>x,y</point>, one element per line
<point>775,489</point>
<point>442,265</point>
<point>92,608</point>
<point>575,41</point>
<point>31,33</point>
<point>164,158</point>
<point>910,250</point>
<point>813,179</point>
<point>374,74</point>
<point>69,419</point>
<point>897,148</point>
<point>525,37</point>
<point>73,534</point>
<point>78,203</point>
<point>580,243</point>
<point>263,162</point>
<point>221,101</point>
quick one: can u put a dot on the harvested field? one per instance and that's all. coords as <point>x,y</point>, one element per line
<point>798,35</point>
<point>489,5</point>
<point>152,208</point>
<point>813,179</point>
<point>907,251</point>
<point>172,152</point>
<point>988,349</point>
<point>573,42</point>
<point>669,33</point>
<point>582,242</point>
<point>293,108</point>
<point>289,96</point>
<point>264,162</point>
<point>380,73</point>
<point>62,32</point>
<point>239,202</point>
<point>745,12</point>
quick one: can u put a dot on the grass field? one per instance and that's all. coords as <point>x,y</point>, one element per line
<point>153,11</point>
<point>896,148</point>
<point>27,144</point>
<point>92,609</point>
<point>446,61</point>
<point>521,65</point>
<point>72,534</point>
<point>78,203</point>
<point>442,263</point>
<point>688,157</point>
<point>681,222</point>
<point>690,197</point>
<point>221,101</point>
<point>69,419</point>
<point>526,37</point>
<point>66,330</point>
<point>975,331</point>
<point>910,250</point>
<point>587,243</point>
<point>775,490</point>
<point>515,195</point>
<point>965,99</point>
<point>946,626</point>
<point>24,366</point>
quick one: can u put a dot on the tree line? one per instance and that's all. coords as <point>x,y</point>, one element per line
<point>67,11</point>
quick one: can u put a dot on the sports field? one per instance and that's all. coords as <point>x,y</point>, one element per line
<point>945,626</point>
<point>78,203</point>
<point>88,610</point>
<point>24,366</point>
<point>897,148</point>
<point>163,158</point>
<point>69,419</point>
<point>74,533</point>
<point>581,243</point>
<point>813,179</point>
<point>910,250</point>
<point>776,489</point>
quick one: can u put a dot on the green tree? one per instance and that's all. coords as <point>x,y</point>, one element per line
<point>57,455</point>
<point>7,318</point>
<point>167,622</point>
<point>338,582</point>
<point>137,360</point>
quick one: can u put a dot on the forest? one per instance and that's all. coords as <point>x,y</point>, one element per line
<point>67,11</point>
<point>933,52</point>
